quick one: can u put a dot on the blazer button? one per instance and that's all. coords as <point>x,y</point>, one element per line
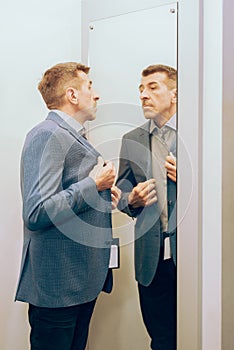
<point>170,202</point>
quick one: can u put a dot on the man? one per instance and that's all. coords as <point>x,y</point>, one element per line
<point>147,179</point>
<point>67,214</point>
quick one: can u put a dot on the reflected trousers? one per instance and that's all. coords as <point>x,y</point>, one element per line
<point>158,306</point>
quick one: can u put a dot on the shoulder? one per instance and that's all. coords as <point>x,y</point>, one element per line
<point>46,129</point>
<point>47,135</point>
<point>136,132</point>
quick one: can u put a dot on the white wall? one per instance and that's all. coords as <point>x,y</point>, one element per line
<point>212,177</point>
<point>200,235</point>
<point>34,35</point>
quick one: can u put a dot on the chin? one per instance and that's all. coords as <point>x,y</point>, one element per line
<point>148,113</point>
<point>149,116</point>
<point>92,117</point>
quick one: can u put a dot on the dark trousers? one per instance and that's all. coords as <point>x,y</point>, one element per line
<point>60,328</point>
<point>158,306</point>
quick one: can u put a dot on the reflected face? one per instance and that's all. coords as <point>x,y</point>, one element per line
<point>157,99</point>
<point>87,98</point>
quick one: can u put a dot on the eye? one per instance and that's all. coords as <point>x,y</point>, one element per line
<point>153,86</point>
<point>140,88</point>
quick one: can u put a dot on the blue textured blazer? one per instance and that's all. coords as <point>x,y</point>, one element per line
<point>67,223</point>
<point>135,166</point>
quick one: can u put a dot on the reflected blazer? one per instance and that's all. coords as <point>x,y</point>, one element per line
<point>134,167</point>
<point>67,223</point>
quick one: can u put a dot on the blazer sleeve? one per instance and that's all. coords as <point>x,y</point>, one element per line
<point>45,202</point>
<point>126,181</point>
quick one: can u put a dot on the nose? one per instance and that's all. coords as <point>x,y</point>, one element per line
<point>144,95</point>
<point>96,97</point>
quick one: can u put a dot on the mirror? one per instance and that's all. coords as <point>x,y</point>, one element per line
<point>120,47</point>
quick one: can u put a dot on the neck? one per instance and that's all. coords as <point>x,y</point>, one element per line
<point>161,120</point>
<point>78,116</point>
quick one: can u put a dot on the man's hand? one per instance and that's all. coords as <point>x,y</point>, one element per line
<point>170,166</point>
<point>103,175</point>
<point>143,195</point>
<point>115,196</point>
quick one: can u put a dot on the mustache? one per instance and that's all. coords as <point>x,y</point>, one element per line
<point>146,104</point>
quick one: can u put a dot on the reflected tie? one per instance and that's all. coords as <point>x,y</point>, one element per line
<point>159,154</point>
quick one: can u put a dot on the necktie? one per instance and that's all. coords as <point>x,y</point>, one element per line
<point>159,154</point>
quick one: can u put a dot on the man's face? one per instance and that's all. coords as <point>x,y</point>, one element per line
<point>87,98</point>
<point>157,99</point>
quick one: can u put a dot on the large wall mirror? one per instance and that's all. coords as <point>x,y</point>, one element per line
<point>118,50</point>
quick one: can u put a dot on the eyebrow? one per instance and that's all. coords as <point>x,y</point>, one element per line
<point>153,83</point>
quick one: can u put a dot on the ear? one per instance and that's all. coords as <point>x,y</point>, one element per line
<point>72,95</point>
<point>174,95</point>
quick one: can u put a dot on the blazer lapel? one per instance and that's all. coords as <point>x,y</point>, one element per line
<point>144,138</point>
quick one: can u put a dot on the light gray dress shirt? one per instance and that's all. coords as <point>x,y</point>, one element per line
<point>163,143</point>
<point>70,121</point>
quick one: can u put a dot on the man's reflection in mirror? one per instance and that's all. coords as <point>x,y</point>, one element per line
<point>147,178</point>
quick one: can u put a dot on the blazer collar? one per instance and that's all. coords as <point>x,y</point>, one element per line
<point>62,124</point>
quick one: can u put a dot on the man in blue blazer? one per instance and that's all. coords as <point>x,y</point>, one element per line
<point>147,179</point>
<point>68,195</point>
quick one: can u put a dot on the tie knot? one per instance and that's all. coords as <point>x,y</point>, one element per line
<point>160,132</point>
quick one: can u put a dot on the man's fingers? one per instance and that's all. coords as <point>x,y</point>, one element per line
<point>115,196</point>
<point>151,201</point>
<point>109,165</point>
<point>171,159</point>
<point>144,189</point>
<point>115,192</point>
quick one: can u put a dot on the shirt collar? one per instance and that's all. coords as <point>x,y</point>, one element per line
<point>171,123</point>
<point>69,120</point>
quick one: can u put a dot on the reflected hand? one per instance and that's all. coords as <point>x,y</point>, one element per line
<point>170,166</point>
<point>143,195</point>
